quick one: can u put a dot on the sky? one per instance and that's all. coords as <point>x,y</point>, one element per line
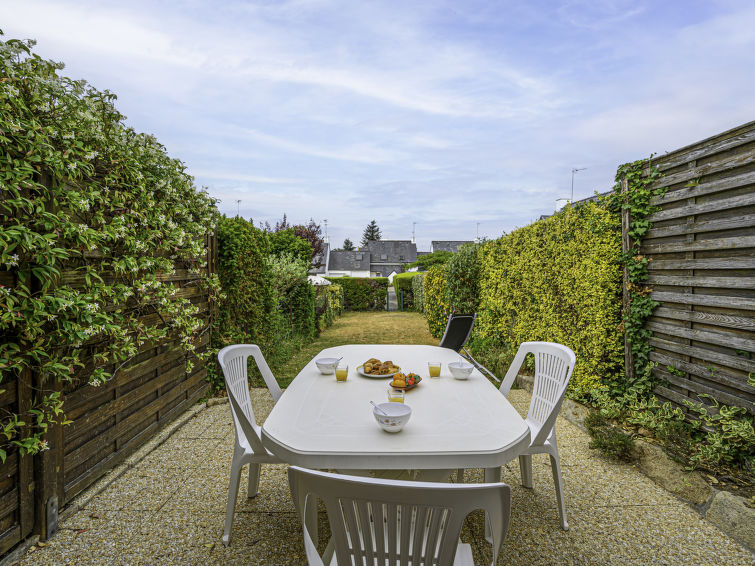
<point>455,119</point>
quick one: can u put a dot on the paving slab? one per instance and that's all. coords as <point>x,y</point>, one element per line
<point>169,508</point>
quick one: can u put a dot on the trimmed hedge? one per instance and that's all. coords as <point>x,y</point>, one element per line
<point>363,293</point>
<point>557,280</point>
<point>267,300</point>
<point>462,274</point>
<point>243,314</point>
<point>403,282</point>
<point>436,304</point>
<point>298,307</point>
<point>418,291</point>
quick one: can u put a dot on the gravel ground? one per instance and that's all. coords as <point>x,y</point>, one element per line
<point>169,507</point>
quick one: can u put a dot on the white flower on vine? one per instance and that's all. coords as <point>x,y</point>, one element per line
<point>72,166</point>
<point>91,155</point>
<point>95,383</point>
<point>12,261</point>
<point>43,445</point>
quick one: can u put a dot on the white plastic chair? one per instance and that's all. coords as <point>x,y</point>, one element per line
<point>554,364</point>
<point>248,447</point>
<point>377,522</point>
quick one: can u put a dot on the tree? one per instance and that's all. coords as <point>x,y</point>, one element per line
<point>348,245</point>
<point>287,242</point>
<point>371,233</point>
<point>425,262</point>
<point>312,233</point>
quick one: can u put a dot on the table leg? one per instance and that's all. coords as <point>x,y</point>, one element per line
<point>492,475</point>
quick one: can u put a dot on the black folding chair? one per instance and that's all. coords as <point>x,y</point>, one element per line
<point>458,331</point>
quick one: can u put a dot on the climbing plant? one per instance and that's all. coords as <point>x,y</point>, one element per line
<point>87,197</point>
<point>636,185</point>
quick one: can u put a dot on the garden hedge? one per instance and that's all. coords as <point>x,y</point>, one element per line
<point>363,293</point>
<point>328,304</point>
<point>87,197</point>
<point>402,282</point>
<point>267,299</point>
<point>462,274</point>
<point>298,307</point>
<point>436,303</point>
<point>558,280</point>
<point>418,291</point>
<point>244,313</point>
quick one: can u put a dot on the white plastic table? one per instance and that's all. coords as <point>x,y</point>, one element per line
<point>322,424</point>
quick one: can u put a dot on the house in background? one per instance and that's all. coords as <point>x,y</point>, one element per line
<point>447,245</point>
<point>379,258</point>
<point>348,264</point>
<point>390,256</point>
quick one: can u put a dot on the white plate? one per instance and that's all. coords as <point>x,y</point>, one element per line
<point>360,371</point>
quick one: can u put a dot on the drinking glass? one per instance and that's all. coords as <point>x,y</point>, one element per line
<point>434,369</point>
<point>342,372</point>
<point>395,395</point>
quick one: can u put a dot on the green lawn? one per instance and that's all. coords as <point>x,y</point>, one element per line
<point>360,328</point>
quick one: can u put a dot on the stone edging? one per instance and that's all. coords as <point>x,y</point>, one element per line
<point>725,510</point>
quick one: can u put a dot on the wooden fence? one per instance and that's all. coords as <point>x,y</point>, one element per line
<point>109,422</point>
<point>702,271</point>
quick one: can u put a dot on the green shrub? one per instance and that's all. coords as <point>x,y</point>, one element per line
<point>463,279</point>
<point>425,262</point>
<point>558,280</point>
<point>246,313</point>
<point>609,439</point>
<point>328,304</point>
<point>286,242</point>
<point>402,283</point>
<point>363,293</point>
<point>298,306</point>
<point>85,195</point>
<point>418,292</point>
<point>294,297</point>
<point>436,304</point>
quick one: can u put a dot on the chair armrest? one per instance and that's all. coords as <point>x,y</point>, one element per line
<point>513,370</point>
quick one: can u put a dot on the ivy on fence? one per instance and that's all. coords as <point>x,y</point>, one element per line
<point>84,194</point>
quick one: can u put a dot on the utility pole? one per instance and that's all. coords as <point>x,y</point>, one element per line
<point>574,170</point>
<point>238,207</point>
<point>478,233</point>
<point>325,221</point>
<point>414,238</point>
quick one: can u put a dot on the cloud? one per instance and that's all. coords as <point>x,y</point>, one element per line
<point>434,111</point>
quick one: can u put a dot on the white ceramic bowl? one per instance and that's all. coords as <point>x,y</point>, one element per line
<point>460,370</point>
<point>398,416</point>
<point>327,366</point>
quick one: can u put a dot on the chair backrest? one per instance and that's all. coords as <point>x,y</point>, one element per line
<point>554,364</point>
<point>458,329</point>
<point>234,363</point>
<point>377,521</point>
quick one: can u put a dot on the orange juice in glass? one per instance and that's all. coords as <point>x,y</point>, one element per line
<point>395,395</point>
<point>342,372</point>
<point>433,369</point>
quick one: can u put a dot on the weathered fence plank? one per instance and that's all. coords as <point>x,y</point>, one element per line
<point>701,269</point>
